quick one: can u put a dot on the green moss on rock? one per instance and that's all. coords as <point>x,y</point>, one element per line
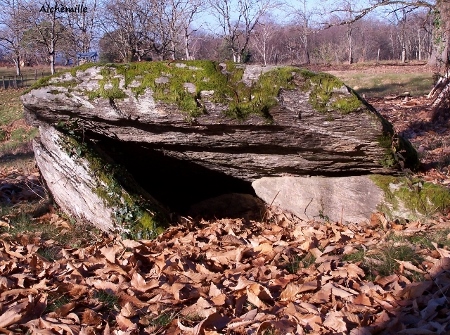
<point>136,215</point>
<point>416,196</point>
<point>168,83</point>
<point>168,80</point>
<point>398,151</point>
<point>328,93</point>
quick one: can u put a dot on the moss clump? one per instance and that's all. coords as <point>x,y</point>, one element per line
<point>82,67</point>
<point>137,215</point>
<point>45,81</point>
<point>398,151</point>
<point>417,196</point>
<point>168,81</point>
<point>112,91</point>
<point>38,84</point>
<point>328,93</point>
<point>262,94</point>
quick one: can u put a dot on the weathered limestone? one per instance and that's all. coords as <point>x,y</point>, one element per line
<point>353,199</point>
<point>88,188</point>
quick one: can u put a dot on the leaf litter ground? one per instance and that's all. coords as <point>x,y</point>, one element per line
<point>278,276</point>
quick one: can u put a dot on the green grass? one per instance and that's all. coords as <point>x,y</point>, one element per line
<point>440,237</point>
<point>269,331</point>
<point>108,299</point>
<point>387,84</point>
<point>392,252</point>
<point>55,301</point>
<point>49,253</point>
<point>26,71</point>
<point>28,75</point>
<point>297,262</point>
<point>10,106</point>
<point>21,223</point>
<point>381,259</point>
<point>13,136</point>
<point>162,320</point>
<point>354,257</point>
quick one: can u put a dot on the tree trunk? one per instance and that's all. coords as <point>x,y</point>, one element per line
<point>17,64</point>
<point>440,56</point>
<point>403,60</point>
<point>350,45</point>
<point>186,44</point>
<point>52,62</point>
<point>419,52</point>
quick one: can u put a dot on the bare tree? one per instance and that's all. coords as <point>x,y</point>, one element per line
<point>125,24</point>
<point>12,30</point>
<point>261,38</point>
<point>83,25</point>
<point>47,26</point>
<point>303,17</point>
<point>238,20</point>
<point>172,22</point>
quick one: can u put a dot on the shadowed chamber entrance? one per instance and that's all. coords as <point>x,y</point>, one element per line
<point>178,184</point>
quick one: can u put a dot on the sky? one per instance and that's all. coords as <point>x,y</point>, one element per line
<point>316,11</point>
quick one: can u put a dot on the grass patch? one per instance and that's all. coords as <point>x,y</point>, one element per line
<point>269,331</point>
<point>354,257</point>
<point>10,106</point>
<point>383,261</point>
<point>14,133</point>
<point>162,320</point>
<point>56,301</point>
<point>51,254</point>
<point>385,84</point>
<point>21,223</point>
<point>108,299</point>
<point>422,240</point>
<point>388,256</point>
<point>296,262</point>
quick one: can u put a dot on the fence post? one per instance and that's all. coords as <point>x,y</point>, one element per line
<point>3,81</point>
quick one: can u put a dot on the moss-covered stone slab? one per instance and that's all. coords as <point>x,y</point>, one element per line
<point>411,195</point>
<point>355,198</point>
<point>86,185</point>
<point>244,121</point>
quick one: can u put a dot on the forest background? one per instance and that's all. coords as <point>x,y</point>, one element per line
<point>263,31</point>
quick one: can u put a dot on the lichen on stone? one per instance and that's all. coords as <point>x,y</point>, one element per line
<point>416,196</point>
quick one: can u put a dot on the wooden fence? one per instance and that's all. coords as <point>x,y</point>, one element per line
<point>7,82</point>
